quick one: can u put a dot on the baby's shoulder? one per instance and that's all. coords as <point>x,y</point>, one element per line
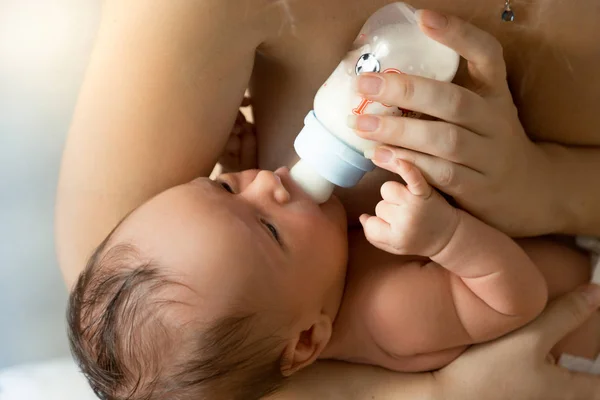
<point>402,306</point>
<point>396,296</point>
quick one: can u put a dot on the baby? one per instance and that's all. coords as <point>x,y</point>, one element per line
<point>221,289</point>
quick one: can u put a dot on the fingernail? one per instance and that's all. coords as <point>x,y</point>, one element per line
<point>380,154</point>
<point>431,19</point>
<point>591,293</point>
<point>369,84</point>
<point>366,123</point>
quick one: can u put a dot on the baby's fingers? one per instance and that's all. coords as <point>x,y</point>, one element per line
<point>563,316</point>
<point>377,231</point>
<point>415,182</point>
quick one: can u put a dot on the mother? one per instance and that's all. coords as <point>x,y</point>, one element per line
<point>162,91</point>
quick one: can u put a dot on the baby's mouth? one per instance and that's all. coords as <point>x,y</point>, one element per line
<point>295,191</point>
<point>279,179</point>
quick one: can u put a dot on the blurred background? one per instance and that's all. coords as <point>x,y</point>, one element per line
<point>44,48</point>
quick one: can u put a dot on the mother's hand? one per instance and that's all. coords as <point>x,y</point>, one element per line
<point>517,365</point>
<point>479,152</point>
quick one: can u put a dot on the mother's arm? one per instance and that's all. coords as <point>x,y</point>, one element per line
<point>159,98</point>
<point>512,367</point>
<point>342,381</point>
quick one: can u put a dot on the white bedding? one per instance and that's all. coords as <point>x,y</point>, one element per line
<point>53,380</point>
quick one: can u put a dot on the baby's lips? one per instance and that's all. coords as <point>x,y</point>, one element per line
<point>281,173</point>
<point>288,183</point>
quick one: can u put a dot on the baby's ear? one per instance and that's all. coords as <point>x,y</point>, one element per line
<point>304,348</point>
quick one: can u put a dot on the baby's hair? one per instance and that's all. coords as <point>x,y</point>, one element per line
<point>127,340</point>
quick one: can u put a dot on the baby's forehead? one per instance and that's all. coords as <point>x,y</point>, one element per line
<point>197,236</point>
<point>194,205</point>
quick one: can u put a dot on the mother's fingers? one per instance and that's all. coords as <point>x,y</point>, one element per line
<point>573,385</point>
<point>482,50</point>
<point>449,177</point>
<point>442,100</point>
<point>437,138</point>
<point>563,316</point>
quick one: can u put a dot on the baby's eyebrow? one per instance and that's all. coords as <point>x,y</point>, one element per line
<point>259,224</point>
<point>207,184</point>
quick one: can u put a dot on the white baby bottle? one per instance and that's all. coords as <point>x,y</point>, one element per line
<point>389,42</point>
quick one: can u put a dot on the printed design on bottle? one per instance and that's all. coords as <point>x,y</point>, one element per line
<point>360,109</point>
<point>368,62</point>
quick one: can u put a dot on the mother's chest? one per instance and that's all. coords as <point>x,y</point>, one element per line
<point>552,52</point>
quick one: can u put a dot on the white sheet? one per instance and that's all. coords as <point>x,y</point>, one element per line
<point>53,380</point>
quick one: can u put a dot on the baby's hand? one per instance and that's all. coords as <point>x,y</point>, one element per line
<point>412,219</point>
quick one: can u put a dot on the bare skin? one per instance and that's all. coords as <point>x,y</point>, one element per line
<point>164,84</point>
<point>292,46</point>
<point>551,73</point>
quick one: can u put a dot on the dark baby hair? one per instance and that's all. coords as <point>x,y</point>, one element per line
<point>125,337</point>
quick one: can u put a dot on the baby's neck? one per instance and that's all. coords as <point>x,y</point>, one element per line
<point>335,298</point>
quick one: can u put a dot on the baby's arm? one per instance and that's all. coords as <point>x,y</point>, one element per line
<point>494,286</point>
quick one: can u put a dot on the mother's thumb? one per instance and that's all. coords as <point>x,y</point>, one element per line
<point>564,315</point>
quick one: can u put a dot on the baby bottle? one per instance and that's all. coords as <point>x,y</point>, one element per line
<point>390,42</point>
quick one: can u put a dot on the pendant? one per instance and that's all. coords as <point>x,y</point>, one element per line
<point>507,14</point>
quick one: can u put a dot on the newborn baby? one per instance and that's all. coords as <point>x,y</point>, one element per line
<point>220,289</point>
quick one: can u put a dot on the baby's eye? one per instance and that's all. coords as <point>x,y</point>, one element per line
<point>227,187</point>
<point>273,231</point>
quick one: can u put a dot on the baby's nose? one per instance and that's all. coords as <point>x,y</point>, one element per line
<point>270,184</point>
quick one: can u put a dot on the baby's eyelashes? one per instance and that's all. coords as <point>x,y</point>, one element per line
<point>226,186</point>
<point>281,196</point>
<point>273,231</point>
